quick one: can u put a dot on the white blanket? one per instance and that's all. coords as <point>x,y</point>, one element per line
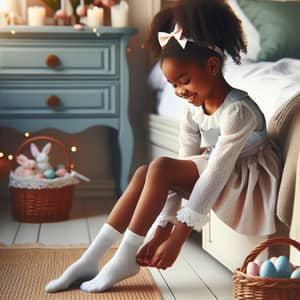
<point>270,84</point>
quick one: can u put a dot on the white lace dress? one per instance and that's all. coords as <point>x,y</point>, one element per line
<point>239,172</point>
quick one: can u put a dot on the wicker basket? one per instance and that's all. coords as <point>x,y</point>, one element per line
<point>258,288</point>
<point>42,205</point>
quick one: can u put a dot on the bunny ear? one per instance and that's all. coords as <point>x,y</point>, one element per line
<point>21,159</point>
<point>47,148</point>
<point>34,150</point>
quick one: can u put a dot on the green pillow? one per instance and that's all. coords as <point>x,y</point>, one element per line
<point>278,24</point>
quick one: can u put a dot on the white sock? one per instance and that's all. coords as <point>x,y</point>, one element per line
<point>86,267</point>
<point>121,266</point>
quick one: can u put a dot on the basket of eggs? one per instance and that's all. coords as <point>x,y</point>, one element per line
<point>39,192</point>
<point>275,278</point>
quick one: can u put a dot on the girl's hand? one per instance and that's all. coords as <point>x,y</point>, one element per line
<point>145,255</point>
<point>166,254</point>
<point>168,251</point>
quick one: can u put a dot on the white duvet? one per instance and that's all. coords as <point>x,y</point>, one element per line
<point>270,84</point>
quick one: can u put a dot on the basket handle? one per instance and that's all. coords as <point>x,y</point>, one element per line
<point>270,242</point>
<point>50,139</point>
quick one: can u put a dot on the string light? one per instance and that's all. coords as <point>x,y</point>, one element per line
<point>1,154</point>
<point>10,157</point>
<point>26,134</point>
<point>13,32</point>
<point>74,149</point>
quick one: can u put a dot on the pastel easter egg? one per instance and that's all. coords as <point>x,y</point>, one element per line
<point>252,269</point>
<point>273,259</point>
<point>78,26</point>
<point>283,267</point>
<point>267,269</point>
<point>50,174</point>
<point>61,172</point>
<point>258,262</point>
<point>296,274</point>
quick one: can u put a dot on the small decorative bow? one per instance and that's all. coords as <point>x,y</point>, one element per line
<point>177,33</point>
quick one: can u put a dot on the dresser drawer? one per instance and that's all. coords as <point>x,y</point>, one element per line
<point>85,58</point>
<point>25,102</point>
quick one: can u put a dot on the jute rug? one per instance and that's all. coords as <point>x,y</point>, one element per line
<point>25,270</point>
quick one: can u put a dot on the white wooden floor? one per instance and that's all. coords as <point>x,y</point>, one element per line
<point>195,274</point>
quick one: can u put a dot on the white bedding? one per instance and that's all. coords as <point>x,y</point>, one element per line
<point>270,84</point>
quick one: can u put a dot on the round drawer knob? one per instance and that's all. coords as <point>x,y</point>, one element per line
<point>53,102</point>
<point>52,61</point>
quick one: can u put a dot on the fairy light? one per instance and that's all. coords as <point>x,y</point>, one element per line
<point>74,149</point>
<point>13,32</point>
<point>27,134</point>
<point>10,157</point>
<point>95,30</point>
<point>1,154</point>
<point>72,166</point>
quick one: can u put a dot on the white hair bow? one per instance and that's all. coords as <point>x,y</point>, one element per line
<point>177,33</point>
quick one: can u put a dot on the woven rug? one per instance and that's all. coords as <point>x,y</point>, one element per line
<point>24,272</point>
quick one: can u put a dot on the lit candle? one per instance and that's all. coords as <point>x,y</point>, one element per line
<point>95,17</point>
<point>36,15</point>
<point>119,14</point>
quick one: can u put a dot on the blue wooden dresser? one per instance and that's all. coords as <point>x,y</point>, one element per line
<point>57,77</point>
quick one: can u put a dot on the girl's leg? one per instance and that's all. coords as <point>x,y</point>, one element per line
<point>162,175</point>
<point>87,266</point>
<point>123,210</point>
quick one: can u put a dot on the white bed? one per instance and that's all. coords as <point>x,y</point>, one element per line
<point>270,84</point>
<point>275,86</point>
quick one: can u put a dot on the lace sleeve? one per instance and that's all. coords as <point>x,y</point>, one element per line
<point>237,123</point>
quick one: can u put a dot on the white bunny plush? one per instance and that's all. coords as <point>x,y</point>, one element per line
<point>42,158</point>
<point>27,166</point>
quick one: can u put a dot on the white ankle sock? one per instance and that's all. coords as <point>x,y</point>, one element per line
<point>122,265</point>
<point>86,267</point>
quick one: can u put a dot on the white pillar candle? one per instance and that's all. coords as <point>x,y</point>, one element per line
<point>9,6</point>
<point>120,14</point>
<point>95,16</point>
<point>36,15</point>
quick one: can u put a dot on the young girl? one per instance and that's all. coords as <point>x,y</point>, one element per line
<point>235,172</point>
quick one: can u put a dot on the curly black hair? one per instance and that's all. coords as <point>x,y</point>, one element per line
<point>211,21</point>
